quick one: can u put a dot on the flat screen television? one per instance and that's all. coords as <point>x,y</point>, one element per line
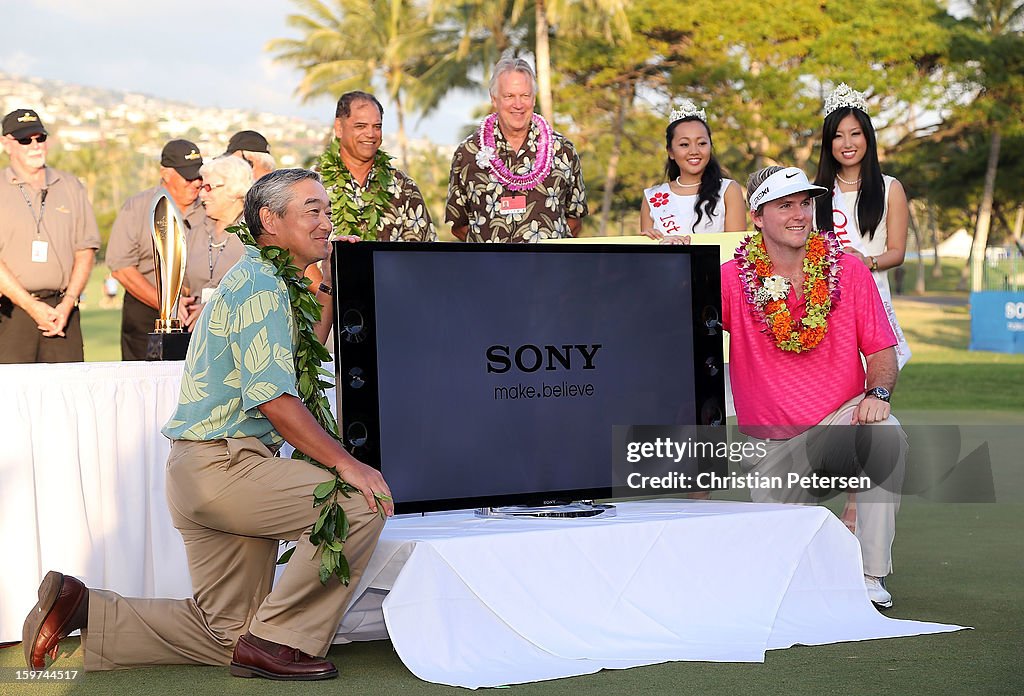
<point>478,375</point>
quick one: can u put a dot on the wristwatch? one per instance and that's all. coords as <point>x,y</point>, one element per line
<point>874,263</point>
<point>879,393</point>
<point>326,289</point>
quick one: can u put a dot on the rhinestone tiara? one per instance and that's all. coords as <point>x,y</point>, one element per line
<point>844,96</point>
<point>687,109</point>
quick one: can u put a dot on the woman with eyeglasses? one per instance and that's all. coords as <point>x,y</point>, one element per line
<point>213,250</point>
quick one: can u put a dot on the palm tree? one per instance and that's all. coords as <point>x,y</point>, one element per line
<point>494,27</point>
<point>348,44</point>
<point>997,37</point>
<point>488,28</point>
<point>574,18</point>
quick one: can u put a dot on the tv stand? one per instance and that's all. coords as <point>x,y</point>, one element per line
<point>581,508</point>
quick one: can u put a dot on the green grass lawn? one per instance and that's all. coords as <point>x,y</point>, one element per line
<point>958,564</point>
<point>942,373</point>
<point>101,323</point>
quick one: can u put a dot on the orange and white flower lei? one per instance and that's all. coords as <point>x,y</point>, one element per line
<point>766,292</point>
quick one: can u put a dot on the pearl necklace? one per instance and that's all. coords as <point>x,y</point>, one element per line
<point>679,183</point>
<point>849,183</point>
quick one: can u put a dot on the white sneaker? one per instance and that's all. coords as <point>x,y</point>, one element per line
<point>877,593</point>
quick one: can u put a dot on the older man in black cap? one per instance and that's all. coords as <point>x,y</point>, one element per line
<point>254,149</point>
<point>130,255</point>
<point>48,243</point>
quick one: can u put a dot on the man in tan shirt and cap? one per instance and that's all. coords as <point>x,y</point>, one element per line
<point>255,150</point>
<point>130,255</point>
<point>48,243</point>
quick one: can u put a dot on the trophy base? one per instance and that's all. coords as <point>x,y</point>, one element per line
<point>167,346</point>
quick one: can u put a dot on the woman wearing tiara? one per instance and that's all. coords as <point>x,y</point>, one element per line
<point>696,198</point>
<point>868,212</point>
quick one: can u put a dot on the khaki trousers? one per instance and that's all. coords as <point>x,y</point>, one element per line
<point>232,500</point>
<point>833,449</point>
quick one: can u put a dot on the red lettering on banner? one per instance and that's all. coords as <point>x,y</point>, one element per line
<point>669,224</point>
<point>839,221</point>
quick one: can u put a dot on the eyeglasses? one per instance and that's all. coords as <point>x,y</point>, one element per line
<point>39,138</point>
<point>210,187</point>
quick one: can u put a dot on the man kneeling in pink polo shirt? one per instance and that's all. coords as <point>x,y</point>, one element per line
<point>801,314</point>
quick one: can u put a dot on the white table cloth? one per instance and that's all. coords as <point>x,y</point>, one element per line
<point>81,481</point>
<point>485,602</point>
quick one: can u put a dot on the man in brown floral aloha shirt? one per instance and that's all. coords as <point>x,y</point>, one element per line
<point>357,126</point>
<point>508,197</point>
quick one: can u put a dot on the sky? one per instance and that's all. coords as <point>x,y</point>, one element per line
<point>206,52</point>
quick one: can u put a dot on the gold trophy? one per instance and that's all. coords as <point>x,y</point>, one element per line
<point>169,340</point>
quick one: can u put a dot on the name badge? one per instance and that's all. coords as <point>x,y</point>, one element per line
<point>512,205</point>
<point>40,251</point>
<point>206,294</point>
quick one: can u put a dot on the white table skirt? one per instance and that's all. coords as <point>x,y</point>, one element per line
<point>82,471</point>
<point>485,602</point>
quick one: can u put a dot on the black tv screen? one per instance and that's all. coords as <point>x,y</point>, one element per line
<point>481,375</point>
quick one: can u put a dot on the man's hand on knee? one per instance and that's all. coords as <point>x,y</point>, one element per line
<point>370,483</point>
<point>871,410</point>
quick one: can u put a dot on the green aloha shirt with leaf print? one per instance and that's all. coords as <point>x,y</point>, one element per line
<point>241,355</point>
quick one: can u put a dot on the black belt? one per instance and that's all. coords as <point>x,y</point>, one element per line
<point>46,294</point>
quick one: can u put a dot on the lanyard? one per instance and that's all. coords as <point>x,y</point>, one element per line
<point>220,249</point>
<point>42,206</point>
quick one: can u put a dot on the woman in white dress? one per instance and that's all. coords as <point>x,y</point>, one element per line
<point>695,197</point>
<point>868,212</point>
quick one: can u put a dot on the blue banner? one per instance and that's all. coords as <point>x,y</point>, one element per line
<point>997,321</point>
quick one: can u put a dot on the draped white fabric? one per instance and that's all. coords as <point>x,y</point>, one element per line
<point>81,481</point>
<point>483,602</point>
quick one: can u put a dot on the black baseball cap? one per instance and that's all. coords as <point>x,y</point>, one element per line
<point>247,140</point>
<point>22,123</point>
<point>183,156</point>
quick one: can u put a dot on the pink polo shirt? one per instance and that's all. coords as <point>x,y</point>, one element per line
<point>779,394</point>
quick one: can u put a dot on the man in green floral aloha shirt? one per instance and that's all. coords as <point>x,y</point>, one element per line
<point>514,179</point>
<point>230,497</point>
<point>369,197</point>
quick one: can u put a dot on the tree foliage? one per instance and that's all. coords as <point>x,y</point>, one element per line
<point>937,85</point>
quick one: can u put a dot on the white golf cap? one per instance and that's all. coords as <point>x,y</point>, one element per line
<point>784,183</point>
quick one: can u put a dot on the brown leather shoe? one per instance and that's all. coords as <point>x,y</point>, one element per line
<point>51,619</point>
<point>256,657</point>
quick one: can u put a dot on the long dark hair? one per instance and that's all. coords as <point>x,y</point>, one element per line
<point>710,181</point>
<point>871,196</point>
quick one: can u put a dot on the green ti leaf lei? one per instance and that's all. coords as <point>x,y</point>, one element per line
<point>331,528</point>
<point>350,216</point>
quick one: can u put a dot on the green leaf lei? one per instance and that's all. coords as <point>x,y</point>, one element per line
<point>331,528</point>
<point>362,217</point>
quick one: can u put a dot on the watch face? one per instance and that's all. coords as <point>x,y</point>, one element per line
<point>880,393</point>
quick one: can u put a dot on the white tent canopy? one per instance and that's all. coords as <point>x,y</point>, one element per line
<point>957,246</point>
